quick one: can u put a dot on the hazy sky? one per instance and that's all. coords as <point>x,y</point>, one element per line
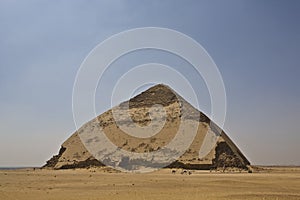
<point>255,44</point>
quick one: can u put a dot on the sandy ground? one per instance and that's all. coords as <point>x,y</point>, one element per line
<point>88,184</point>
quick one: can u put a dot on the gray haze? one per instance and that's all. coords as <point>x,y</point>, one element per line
<point>255,44</point>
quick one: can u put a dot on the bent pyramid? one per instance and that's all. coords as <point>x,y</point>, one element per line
<point>178,116</point>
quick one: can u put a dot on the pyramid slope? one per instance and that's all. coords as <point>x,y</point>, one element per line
<point>74,154</point>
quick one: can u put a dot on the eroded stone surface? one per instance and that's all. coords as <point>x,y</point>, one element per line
<point>177,112</point>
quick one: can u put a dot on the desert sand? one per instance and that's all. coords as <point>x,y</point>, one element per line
<point>101,183</point>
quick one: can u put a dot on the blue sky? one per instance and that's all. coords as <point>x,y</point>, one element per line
<point>255,44</point>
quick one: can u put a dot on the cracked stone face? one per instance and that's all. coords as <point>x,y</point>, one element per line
<point>140,111</point>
